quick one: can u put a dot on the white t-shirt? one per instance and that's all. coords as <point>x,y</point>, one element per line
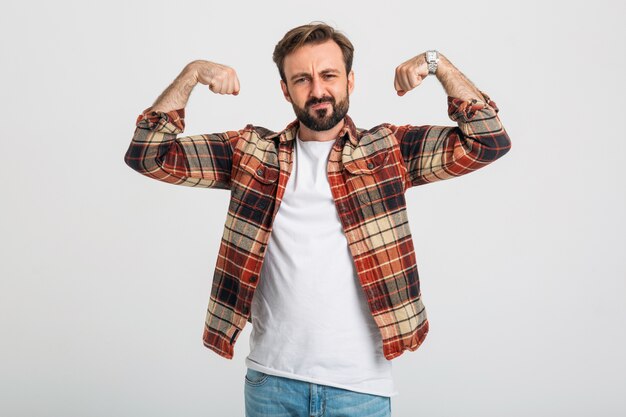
<point>310,318</point>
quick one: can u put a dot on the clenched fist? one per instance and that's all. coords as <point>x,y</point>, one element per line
<point>410,74</point>
<point>221,79</point>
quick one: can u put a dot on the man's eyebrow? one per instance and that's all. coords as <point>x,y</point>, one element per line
<point>308,74</point>
<point>298,75</point>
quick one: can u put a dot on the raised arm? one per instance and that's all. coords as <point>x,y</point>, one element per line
<point>196,161</point>
<point>433,153</point>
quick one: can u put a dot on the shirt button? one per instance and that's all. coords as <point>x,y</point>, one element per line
<point>260,171</point>
<point>262,249</point>
<point>253,278</point>
<point>370,165</point>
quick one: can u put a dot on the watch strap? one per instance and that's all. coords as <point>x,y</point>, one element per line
<point>432,59</point>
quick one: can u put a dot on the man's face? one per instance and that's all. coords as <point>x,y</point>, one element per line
<point>317,85</point>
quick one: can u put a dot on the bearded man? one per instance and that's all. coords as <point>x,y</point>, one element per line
<point>316,251</point>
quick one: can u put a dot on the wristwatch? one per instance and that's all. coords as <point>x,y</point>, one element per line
<point>432,58</point>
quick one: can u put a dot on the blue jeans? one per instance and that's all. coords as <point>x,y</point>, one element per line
<point>273,396</point>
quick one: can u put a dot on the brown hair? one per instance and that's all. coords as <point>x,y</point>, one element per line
<point>313,33</point>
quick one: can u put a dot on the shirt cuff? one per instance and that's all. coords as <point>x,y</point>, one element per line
<point>171,122</point>
<point>465,110</point>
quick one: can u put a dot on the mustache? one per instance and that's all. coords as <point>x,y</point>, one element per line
<point>315,101</point>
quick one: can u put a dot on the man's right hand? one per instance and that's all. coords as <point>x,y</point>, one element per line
<point>221,79</point>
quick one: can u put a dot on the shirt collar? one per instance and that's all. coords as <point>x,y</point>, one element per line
<point>289,133</point>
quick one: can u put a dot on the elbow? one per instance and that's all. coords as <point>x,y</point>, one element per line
<point>132,158</point>
<point>504,143</point>
<point>500,146</point>
<point>131,162</point>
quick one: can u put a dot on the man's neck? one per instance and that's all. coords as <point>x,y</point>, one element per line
<point>322,136</point>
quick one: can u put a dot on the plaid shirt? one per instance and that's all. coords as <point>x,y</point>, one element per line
<point>369,172</point>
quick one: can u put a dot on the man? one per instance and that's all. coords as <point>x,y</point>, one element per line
<point>316,250</point>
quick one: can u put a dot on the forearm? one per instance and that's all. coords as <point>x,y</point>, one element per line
<point>433,153</point>
<point>177,94</point>
<point>455,83</point>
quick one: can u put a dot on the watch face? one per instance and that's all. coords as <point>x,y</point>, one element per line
<point>431,56</point>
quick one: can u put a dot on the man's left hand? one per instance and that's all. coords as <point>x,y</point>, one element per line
<point>410,74</point>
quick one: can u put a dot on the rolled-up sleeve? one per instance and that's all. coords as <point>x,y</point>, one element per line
<point>157,152</point>
<point>434,153</point>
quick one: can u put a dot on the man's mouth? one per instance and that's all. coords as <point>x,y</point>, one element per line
<point>320,105</point>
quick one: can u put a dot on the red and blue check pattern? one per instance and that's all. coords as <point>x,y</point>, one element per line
<point>369,172</point>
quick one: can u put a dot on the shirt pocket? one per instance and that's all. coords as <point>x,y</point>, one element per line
<point>374,185</point>
<point>366,164</point>
<point>262,171</point>
<point>253,190</point>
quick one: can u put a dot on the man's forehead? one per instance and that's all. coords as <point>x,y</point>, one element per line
<point>318,57</point>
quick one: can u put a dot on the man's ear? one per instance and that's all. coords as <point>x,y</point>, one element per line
<point>350,81</point>
<point>283,86</point>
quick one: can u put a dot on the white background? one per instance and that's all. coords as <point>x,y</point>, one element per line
<point>106,274</point>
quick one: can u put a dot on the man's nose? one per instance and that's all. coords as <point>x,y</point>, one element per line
<point>317,88</point>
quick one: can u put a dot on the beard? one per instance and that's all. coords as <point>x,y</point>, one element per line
<point>321,119</point>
